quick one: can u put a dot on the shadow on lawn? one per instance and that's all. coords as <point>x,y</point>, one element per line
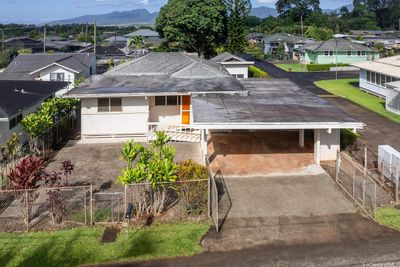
<point>355,84</point>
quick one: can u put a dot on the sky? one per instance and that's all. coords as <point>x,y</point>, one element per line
<point>41,11</point>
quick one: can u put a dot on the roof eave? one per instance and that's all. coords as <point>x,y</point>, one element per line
<point>278,125</point>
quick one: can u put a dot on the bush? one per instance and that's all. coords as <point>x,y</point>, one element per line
<point>255,72</point>
<point>347,138</point>
<point>194,195</point>
<point>323,67</point>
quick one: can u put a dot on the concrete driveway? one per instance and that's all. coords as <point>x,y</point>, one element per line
<point>307,208</point>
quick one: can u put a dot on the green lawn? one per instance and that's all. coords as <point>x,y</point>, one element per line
<point>345,88</point>
<point>388,216</point>
<point>294,67</point>
<point>81,245</point>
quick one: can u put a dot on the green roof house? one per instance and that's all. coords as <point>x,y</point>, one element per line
<point>337,50</point>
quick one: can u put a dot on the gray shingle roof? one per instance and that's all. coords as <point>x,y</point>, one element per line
<point>21,67</point>
<point>337,44</point>
<point>13,99</point>
<point>143,32</point>
<point>285,37</point>
<point>113,39</point>
<point>226,56</point>
<point>268,101</point>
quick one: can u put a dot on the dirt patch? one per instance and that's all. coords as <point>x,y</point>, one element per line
<point>110,234</point>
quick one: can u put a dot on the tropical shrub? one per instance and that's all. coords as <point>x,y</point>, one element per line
<point>323,67</point>
<point>255,72</point>
<point>347,138</point>
<point>193,186</point>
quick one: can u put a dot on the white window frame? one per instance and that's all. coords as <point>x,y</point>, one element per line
<point>109,105</point>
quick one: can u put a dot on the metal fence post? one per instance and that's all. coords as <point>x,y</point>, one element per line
<point>338,163</point>
<point>27,207</point>
<point>365,160</point>
<point>363,193</point>
<point>125,199</point>
<point>354,180</point>
<point>397,184</point>
<point>91,204</point>
<point>85,205</point>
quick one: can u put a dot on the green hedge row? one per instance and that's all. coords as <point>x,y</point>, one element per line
<point>323,67</point>
<point>255,72</point>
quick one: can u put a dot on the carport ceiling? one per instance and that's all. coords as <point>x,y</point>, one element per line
<point>270,104</point>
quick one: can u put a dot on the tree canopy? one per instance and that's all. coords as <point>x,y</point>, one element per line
<point>238,11</point>
<point>197,25</point>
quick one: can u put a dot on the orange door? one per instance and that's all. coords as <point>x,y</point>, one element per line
<point>185,108</point>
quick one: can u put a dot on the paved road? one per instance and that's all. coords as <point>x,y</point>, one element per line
<point>378,130</point>
<point>351,253</point>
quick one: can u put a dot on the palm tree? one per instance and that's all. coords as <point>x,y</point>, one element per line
<point>137,41</point>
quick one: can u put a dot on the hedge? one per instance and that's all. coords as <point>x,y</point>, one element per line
<point>255,72</point>
<point>347,138</point>
<point>323,67</point>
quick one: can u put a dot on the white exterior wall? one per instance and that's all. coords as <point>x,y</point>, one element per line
<point>132,121</point>
<point>69,76</point>
<point>164,115</point>
<point>370,87</point>
<point>5,132</point>
<point>330,144</point>
<point>238,69</point>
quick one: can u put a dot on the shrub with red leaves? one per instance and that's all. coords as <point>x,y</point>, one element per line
<point>28,173</point>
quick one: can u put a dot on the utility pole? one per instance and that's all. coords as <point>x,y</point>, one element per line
<point>44,40</point>
<point>86,34</point>
<point>336,40</point>
<point>94,39</point>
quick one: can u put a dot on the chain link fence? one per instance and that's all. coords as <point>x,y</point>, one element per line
<point>44,208</point>
<point>361,185</point>
<point>108,207</point>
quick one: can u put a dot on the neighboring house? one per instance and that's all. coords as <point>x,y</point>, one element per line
<point>290,43</point>
<point>17,43</point>
<point>337,50</point>
<point>19,99</point>
<point>393,97</point>
<point>119,41</point>
<point>236,66</point>
<point>189,97</point>
<point>375,74</point>
<point>255,37</point>
<point>151,38</point>
<point>105,54</point>
<point>65,67</point>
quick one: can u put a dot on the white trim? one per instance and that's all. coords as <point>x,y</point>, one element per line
<point>278,125</point>
<point>236,63</point>
<point>52,64</point>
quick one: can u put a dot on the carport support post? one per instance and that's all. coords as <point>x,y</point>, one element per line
<point>301,137</point>
<point>203,137</point>
<point>317,146</point>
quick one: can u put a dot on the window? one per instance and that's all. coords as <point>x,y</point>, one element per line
<point>57,77</point>
<point>363,53</point>
<point>358,53</point>
<point>168,100</point>
<point>331,53</point>
<point>14,121</point>
<point>368,76</point>
<point>326,53</point>
<point>349,53</point>
<point>91,70</point>
<point>372,77</point>
<point>109,104</point>
<point>388,79</point>
<point>239,76</point>
<point>378,78</point>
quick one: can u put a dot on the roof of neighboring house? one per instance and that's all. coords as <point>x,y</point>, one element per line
<point>229,58</point>
<point>394,85</point>
<point>337,44</point>
<point>104,50</point>
<point>388,66</point>
<point>270,103</point>
<point>159,73</point>
<point>113,39</point>
<point>288,38</point>
<point>19,95</point>
<point>23,67</point>
<point>143,32</point>
<point>255,35</point>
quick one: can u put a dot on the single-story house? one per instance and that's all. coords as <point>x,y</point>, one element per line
<point>105,53</point>
<point>393,97</point>
<point>337,50</point>
<point>19,99</point>
<point>375,74</point>
<point>236,66</point>
<point>63,67</point>
<point>24,42</point>
<point>290,42</point>
<point>190,97</point>
<point>151,38</point>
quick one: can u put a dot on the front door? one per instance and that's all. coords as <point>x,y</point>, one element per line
<point>185,109</point>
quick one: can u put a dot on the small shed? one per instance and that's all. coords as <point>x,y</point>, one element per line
<point>393,97</point>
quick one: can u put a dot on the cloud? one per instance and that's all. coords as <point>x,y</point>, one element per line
<point>266,1</point>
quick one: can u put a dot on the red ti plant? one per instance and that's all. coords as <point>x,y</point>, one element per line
<point>25,177</point>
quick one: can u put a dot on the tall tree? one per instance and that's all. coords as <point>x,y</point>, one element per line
<point>198,25</point>
<point>296,9</point>
<point>238,11</point>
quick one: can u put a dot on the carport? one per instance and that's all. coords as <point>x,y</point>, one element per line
<point>278,114</point>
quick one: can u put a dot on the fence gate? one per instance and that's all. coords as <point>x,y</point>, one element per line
<point>108,207</point>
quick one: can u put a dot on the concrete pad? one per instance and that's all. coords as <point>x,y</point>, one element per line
<point>258,153</point>
<point>99,163</point>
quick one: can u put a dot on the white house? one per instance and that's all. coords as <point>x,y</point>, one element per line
<point>189,98</point>
<point>236,66</point>
<point>374,75</point>
<point>19,99</point>
<point>393,97</point>
<point>64,67</point>
<point>291,44</point>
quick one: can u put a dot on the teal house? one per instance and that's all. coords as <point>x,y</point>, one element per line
<point>337,50</point>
